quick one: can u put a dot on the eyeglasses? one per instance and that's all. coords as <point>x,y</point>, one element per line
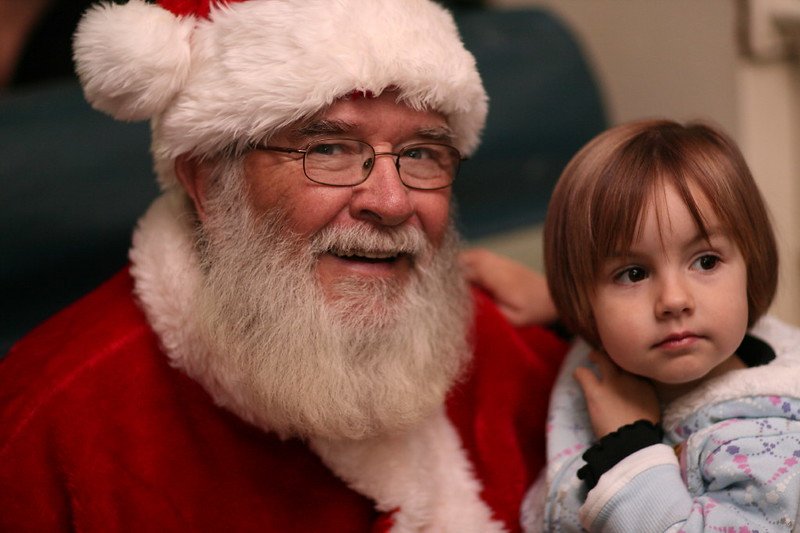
<point>347,162</point>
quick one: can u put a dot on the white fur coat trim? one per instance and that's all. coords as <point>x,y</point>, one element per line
<point>779,378</point>
<point>424,472</point>
<point>166,272</point>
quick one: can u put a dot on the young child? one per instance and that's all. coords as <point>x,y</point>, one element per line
<point>659,253</point>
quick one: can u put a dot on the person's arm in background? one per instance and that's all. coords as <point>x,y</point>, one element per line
<point>17,20</point>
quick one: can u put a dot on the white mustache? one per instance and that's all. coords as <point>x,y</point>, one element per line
<point>368,241</point>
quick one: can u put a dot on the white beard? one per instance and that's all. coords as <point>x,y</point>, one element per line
<point>376,359</point>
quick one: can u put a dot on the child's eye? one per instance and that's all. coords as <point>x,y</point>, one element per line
<point>631,275</point>
<point>706,262</point>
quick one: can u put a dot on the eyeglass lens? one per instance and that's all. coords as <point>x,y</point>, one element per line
<point>346,162</point>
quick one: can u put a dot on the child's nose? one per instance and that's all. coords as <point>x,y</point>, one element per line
<point>674,298</point>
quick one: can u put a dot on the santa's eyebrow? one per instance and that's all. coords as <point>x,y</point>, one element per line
<point>318,128</point>
<point>441,134</point>
<point>324,127</point>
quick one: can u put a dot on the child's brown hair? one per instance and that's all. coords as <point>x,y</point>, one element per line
<point>596,206</point>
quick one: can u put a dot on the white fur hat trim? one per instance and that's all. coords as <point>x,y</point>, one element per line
<point>259,65</point>
<point>132,59</point>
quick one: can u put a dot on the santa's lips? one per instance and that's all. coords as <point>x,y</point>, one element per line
<point>338,264</point>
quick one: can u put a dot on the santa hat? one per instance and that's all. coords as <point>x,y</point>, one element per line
<point>209,74</point>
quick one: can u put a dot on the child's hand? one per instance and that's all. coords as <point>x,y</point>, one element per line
<point>616,397</point>
<point>521,294</point>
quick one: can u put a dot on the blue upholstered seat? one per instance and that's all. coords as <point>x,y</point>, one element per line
<point>544,105</point>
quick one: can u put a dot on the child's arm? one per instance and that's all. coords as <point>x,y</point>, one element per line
<point>624,412</point>
<point>520,293</point>
<point>740,473</point>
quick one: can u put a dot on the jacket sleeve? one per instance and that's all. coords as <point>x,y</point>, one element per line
<point>741,473</point>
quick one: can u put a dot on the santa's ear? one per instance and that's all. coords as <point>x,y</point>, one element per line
<point>194,175</point>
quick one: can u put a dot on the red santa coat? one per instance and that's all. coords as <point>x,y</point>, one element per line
<point>99,433</point>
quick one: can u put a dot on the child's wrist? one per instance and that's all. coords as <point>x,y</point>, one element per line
<point>604,454</point>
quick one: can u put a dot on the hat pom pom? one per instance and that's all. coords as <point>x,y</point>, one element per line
<point>133,58</point>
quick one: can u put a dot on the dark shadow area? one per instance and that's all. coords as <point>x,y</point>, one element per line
<point>74,183</point>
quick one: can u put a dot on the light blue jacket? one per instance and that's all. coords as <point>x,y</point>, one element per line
<point>730,461</point>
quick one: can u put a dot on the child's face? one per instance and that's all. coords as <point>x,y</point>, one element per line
<point>673,310</point>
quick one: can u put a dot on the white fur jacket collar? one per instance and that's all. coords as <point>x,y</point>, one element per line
<point>424,473</point>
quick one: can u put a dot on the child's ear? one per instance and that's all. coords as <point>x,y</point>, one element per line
<point>194,175</point>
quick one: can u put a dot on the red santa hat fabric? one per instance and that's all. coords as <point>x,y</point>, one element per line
<point>209,74</point>
<point>197,8</point>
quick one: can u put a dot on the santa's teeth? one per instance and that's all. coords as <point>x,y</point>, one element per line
<point>368,255</point>
<point>377,255</point>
